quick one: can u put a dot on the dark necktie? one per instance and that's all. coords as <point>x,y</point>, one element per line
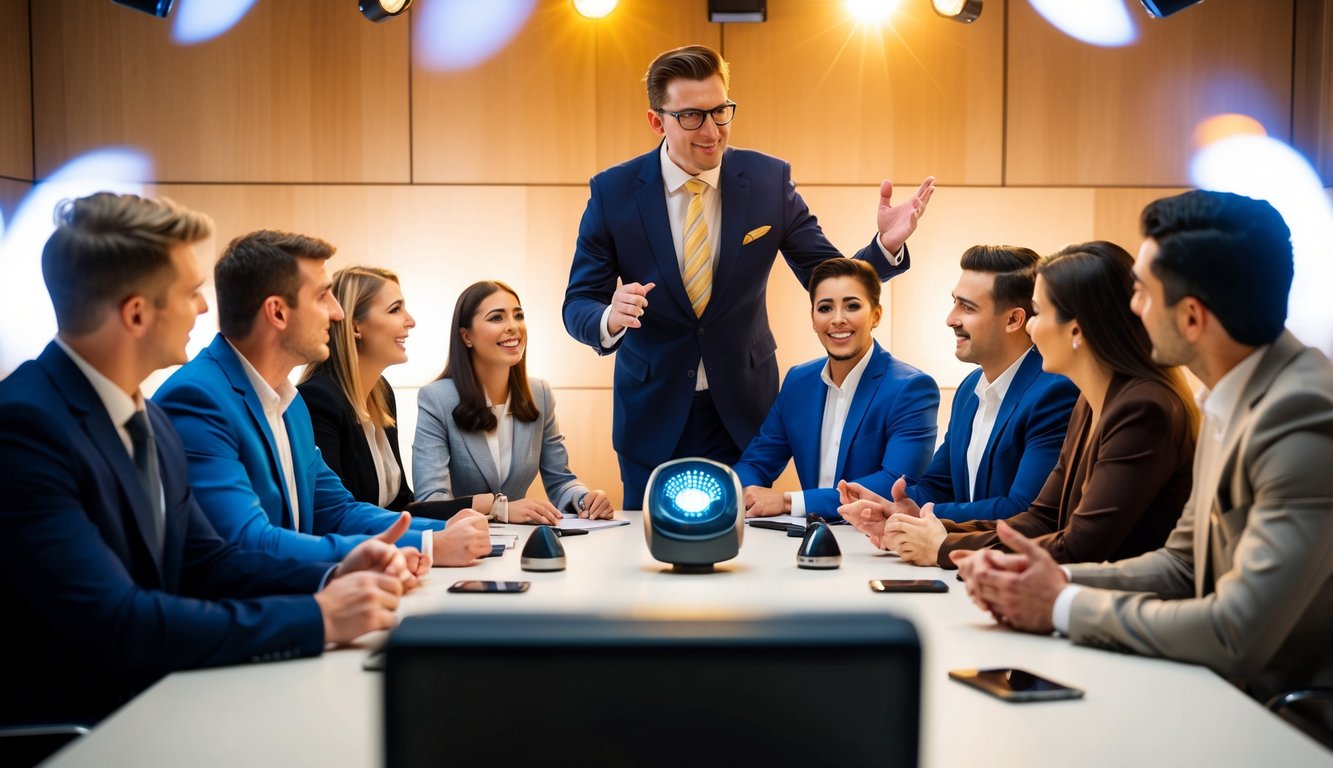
<point>145,461</point>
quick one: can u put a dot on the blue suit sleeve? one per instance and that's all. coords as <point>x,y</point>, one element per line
<point>909,438</point>
<point>769,450</point>
<point>592,275</point>
<point>341,514</point>
<point>223,487</point>
<point>1045,434</point>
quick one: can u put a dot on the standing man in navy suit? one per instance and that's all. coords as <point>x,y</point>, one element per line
<point>696,374</point>
<point>110,575</point>
<point>1009,416</point>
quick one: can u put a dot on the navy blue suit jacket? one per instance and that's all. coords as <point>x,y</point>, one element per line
<point>889,432</point>
<point>1022,450</point>
<point>626,234</point>
<point>94,615</point>
<point>235,473</point>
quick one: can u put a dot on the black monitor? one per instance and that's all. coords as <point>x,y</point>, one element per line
<point>807,689</point>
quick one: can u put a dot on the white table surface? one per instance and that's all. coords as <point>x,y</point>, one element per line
<point>326,711</point>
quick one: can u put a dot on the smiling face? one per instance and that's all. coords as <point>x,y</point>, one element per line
<point>1169,347</point>
<point>843,318</point>
<point>701,149</point>
<point>1053,338</point>
<point>382,333</point>
<point>497,335</point>
<point>182,301</point>
<point>978,328</point>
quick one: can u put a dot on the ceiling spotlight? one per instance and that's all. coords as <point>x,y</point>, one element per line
<point>721,11</point>
<point>594,9</point>
<point>965,11</point>
<point>379,10</point>
<point>1160,9</point>
<point>159,8</point>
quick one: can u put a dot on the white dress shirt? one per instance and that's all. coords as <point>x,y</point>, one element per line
<point>989,397</point>
<point>501,439</point>
<point>275,403</point>
<point>677,203</point>
<point>837,401</point>
<point>387,471</point>
<point>1218,406</point>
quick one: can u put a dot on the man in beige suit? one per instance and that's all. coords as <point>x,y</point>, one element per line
<point>1244,584</point>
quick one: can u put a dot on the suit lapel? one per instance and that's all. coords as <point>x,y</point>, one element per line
<point>735,213</point>
<point>525,434</point>
<point>475,442</point>
<point>866,390</point>
<point>230,365</point>
<point>808,419</point>
<point>96,423</point>
<point>1023,378</point>
<point>966,414</point>
<point>651,199</point>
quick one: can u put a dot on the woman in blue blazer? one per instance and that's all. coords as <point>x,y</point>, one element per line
<point>858,413</point>
<point>484,427</point>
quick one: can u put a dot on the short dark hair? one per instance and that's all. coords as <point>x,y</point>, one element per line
<point>840,267</point>
<point>1232,253</point>
<point>472,414</point>
<point>257,266</point>
<point>109,247</point>
<point>1014,268</point>
<point>691,62</point>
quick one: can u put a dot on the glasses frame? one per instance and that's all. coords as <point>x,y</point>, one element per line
<point>702,113</point>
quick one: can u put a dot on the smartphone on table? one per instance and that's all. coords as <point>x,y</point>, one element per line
<point>908,585</point>
<point>473,585</point>
<point>1015,684</point>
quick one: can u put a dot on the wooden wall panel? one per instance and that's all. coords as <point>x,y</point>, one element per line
<point>15,91</point>
<point>1312,107</point>
<point>850,104</point>
<point>11,193</point>
<point>627,42</point>
<point>527,115</point>
<point>1116,214</point>
<point>1087,116</point>
<point>298,91</point>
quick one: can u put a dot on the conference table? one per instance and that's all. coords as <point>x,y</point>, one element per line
<point>327,711</point>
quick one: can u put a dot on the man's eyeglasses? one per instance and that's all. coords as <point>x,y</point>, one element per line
<point>693,119</point>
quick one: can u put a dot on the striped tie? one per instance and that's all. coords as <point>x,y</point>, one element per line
<point>698,253</point>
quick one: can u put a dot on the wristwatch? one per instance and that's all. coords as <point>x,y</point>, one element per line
<point>583,500</point>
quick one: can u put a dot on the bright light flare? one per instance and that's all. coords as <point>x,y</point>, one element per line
<point>452,35</point>
<point>871,11</point>
<point>1261,167</point>
<point>1105,23</point>
<point>197,21</point>
<point>594,9</point>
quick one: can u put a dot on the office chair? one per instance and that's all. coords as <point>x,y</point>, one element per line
<point>27,745</point>
<point>1310,710</point>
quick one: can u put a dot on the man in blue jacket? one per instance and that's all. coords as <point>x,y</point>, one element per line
<point>254,464</point>
<point>696,373</point>
<point>110,575</point>
<point>1009,417</point>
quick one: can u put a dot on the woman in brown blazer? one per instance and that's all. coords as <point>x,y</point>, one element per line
<point>1124,471</point>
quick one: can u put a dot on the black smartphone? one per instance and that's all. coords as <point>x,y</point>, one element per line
<point>1015,684</point>
<point>772,525</point>
<point>497,550</point>
<point>563,532</point>
<point>490,586</point>
<point>908,585</point>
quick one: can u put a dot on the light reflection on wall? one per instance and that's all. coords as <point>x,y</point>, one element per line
<point>1236,158</point>
<point>1107,23</point>
<point>27,321</point>
<point>197,21</point>
<point>460,34</point>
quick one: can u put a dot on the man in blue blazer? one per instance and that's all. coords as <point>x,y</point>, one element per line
<point>112,576</point>
<point>254,464</point>
<point>696,373</point>
<point>1009,417</point>
<point>857,413</point>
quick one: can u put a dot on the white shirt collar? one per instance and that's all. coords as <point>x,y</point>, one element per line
<point>675,177</point>
<point>1219,403</point>
<point>853,376</point>
<point>119,406</point>
<point>272,399</point>
<point>1000,387</point>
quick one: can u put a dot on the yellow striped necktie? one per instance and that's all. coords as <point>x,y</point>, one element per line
<point>698,253</point>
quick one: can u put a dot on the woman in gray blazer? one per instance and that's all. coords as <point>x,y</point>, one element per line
<point>484,427</point>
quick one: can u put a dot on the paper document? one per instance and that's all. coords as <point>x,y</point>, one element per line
<point>574,522</point>
<point>507,539</point>
<point>783,519</point>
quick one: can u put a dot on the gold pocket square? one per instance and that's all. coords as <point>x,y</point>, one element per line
<point>755,234</point>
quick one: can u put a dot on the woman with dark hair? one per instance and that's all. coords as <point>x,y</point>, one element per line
<point>857,413</point>
<point>1124,471</point>
<point>352,406</point>
<point>484,428</point>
